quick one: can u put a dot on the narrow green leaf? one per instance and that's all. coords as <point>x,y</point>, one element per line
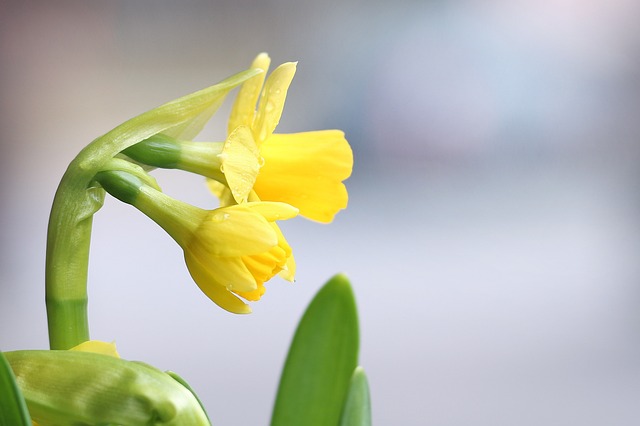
<point>321,359</point>
<point>13,408</point>
<point>357,407</point>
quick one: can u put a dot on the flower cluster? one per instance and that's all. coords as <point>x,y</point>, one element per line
<point>259,177</point>
<point>231,251</point>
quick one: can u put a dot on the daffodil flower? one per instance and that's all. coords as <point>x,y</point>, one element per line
<point>305,169</point>
<point>230,251</point>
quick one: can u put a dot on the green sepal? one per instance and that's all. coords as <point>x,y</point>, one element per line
<point>357,406</point>
<point>321,360</point>
<point>13,408</point>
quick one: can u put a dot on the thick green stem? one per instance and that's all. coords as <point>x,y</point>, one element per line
<point>68,241</point>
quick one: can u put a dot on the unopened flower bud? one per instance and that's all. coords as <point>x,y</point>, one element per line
<point>65,388</point>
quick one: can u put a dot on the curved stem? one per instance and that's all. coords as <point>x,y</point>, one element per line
<point>68,241</point>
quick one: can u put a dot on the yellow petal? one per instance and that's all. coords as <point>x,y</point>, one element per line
<point>273,211</point>
<point>244,107</point>
<point>318,198</point>
<point>272,101</point>
<point>229,272</point>
<point>97,347</point>
<point>289,271</point>
<point>265,265</point>
<point>232,231</point>
<point>306,170</point>
<point>214,290</point>
<point>221,191</point>
<point>241,162</point>
<point>254,295</point>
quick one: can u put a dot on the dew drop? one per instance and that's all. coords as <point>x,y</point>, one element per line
<point>220,217</point>
<point>270,106</point>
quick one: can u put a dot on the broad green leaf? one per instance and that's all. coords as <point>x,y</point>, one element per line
<point>13,409</point>
<point>321,360</point>
<point>357,407</point>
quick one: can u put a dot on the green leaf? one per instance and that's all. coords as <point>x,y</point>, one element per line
<point>357,407</point>
<point>13,409</point>
<point>321,359</point>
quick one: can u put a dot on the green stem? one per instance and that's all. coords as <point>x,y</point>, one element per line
<point>77,199</point>
<point>68,241</point>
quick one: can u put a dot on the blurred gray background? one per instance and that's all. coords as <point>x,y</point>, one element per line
<point>492,235</point>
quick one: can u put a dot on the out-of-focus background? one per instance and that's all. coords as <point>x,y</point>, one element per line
<point>492,235</point>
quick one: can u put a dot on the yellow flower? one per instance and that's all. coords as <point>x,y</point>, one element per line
<point>236,249</point>
<point>305,169</point>
<point>230,251</point>
<point>226,199</point>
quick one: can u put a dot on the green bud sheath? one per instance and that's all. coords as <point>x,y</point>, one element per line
<point>122,185</point>
<point>158,151</point>
<point>202,158</point>
<point>65,388</point>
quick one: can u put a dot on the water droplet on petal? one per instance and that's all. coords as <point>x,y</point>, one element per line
<point>219,217</point>
<point>270,106</point>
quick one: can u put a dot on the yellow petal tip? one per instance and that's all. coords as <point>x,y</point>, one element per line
<point>98,347</point>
